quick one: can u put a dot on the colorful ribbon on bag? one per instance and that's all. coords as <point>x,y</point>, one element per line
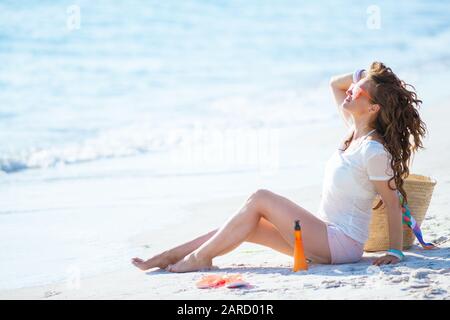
<point>409,220</point>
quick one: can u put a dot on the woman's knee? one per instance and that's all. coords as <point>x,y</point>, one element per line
<point>259,198</point>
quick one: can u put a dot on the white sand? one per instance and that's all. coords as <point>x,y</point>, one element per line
<point>424,274</point>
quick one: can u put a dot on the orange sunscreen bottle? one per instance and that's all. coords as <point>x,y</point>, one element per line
<point>299,253</point>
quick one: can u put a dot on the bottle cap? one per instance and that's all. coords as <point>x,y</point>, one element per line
<point>297,225</point>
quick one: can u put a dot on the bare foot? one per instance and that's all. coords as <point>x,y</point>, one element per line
<point>190,263</point>
<point>159,261</point>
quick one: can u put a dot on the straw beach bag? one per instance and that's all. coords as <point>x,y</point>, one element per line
<point>419,190</point>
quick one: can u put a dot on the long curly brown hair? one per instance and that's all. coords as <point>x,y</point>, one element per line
<point>398,121</point>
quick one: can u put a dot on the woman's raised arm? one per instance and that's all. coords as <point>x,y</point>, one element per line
<point>339,85</point>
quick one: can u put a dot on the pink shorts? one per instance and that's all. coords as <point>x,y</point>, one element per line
<point>344,249</point>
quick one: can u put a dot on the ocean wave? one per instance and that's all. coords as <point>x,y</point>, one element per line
<point>129,141</point>
<point>141,138</point>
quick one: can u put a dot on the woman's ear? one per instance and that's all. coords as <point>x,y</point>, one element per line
<point>375,107</point>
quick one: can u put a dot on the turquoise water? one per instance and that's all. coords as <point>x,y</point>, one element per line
<point>136,70</point>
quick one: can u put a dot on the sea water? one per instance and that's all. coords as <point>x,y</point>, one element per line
<point>115,83</point>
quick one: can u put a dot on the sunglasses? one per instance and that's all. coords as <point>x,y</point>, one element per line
<point>356,91</point>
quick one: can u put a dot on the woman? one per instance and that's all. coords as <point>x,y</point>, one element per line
<point>384,129</point>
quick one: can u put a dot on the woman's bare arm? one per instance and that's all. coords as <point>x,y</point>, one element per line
<point>394,212</point>
<point>339,85</point>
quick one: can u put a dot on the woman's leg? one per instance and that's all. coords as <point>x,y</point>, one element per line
<point>266,234</point>
<point>173,255</point>
<point>278,210</point>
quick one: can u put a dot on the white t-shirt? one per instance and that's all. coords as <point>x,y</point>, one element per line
<point>348,193</point>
